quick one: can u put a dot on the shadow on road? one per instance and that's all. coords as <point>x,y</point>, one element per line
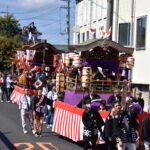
<point>6,142</point>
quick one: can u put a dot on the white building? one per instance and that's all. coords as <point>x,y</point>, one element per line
<point>90,16</point>
<point>130,28</point>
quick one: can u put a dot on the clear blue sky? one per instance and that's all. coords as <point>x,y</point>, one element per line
<point>46,14</point>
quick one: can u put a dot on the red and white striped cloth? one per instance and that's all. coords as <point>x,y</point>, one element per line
<point>68,121</point>
<point>18,93</point>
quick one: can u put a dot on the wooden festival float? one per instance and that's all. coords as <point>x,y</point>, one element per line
<point>98,56</point>
<point>33,57</point>
<point>83,59</point>
<point>86,58</point>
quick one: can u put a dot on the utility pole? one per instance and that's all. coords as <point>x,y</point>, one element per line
<point>109,15</point>
<point>68,24</point>
<point>5,12</point>
<point>68,21</point>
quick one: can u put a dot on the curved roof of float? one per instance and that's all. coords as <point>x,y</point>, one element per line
<point>103,43</point>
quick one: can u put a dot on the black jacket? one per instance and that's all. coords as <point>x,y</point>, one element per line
<point>82,102</point>
<point>113,98</point>
<point>35,100</point>
<point>146,129</point>
<point>140,101</point>
<point>91,119</point>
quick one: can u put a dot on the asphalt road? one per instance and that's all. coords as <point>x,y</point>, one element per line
<point>12,137</point>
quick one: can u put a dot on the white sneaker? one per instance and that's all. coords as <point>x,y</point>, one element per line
<point>36,135</point>
<point>33,131</point>
<point>48,126</point>
<point>25,131</point>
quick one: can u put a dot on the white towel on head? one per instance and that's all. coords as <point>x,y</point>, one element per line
<point>100,70</point>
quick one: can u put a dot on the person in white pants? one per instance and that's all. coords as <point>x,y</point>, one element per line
<point>26,113</point>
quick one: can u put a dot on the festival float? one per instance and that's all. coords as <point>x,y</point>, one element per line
<point>28,59</point>
<point>74,74</point>
<point>97,55</point>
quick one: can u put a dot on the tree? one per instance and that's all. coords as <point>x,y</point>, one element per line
<point>9,26</point>
<point>9,39</point>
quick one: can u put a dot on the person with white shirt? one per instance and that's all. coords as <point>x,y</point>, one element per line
<point>9,81</point>
<point>52,96</point>
<point>26,113</point>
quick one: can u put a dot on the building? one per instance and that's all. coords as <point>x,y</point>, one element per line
<point>130,28</point>
<point>90,19</point>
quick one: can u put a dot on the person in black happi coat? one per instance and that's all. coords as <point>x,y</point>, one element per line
<point>91,96</point>
<point>92,122</point>
<point>115,97</point>
<point>146,130</point>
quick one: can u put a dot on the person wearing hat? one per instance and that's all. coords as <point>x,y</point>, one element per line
<point>92,122</point>
<point>91,96</point>
<point>138,99</point>
<point>146,130</point>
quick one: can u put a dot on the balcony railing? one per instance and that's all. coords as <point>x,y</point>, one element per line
<point>100,86</point>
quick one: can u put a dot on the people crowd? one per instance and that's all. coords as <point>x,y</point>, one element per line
<point>120,130</point>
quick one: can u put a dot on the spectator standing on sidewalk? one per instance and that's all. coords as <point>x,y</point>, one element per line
<point>52,96</point>
<point>9,82</point>
<point>1,81</point>
<point>4,89</point>
<point>26,113</point>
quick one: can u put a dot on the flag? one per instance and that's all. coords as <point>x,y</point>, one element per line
<point>37,83</point>
<point>107,34</point>
<point>101,34</point>
<point>20,54</point>
<point>30,54</point>
<point>92,31</point>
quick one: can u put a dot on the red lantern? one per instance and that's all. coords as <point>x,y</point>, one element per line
<point>130,62</point>
<point>47,68</point>
<point>24,58</point>
<point>56,60</point>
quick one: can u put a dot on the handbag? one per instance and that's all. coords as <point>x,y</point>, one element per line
<point>40,109</point>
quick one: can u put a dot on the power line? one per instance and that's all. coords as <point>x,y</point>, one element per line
<point>36,17</point>
<point>43,8</point>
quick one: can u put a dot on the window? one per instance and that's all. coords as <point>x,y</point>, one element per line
<point>87,35</point>
<point>83,37</point>
<point>141,33</point>
<point>124,34</point>
<point>78,38</point>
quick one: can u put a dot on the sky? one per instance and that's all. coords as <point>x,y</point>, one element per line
<point>48,15</point>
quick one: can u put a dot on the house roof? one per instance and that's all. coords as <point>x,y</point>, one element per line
<point>44,51</point>
<point>105,44</point>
